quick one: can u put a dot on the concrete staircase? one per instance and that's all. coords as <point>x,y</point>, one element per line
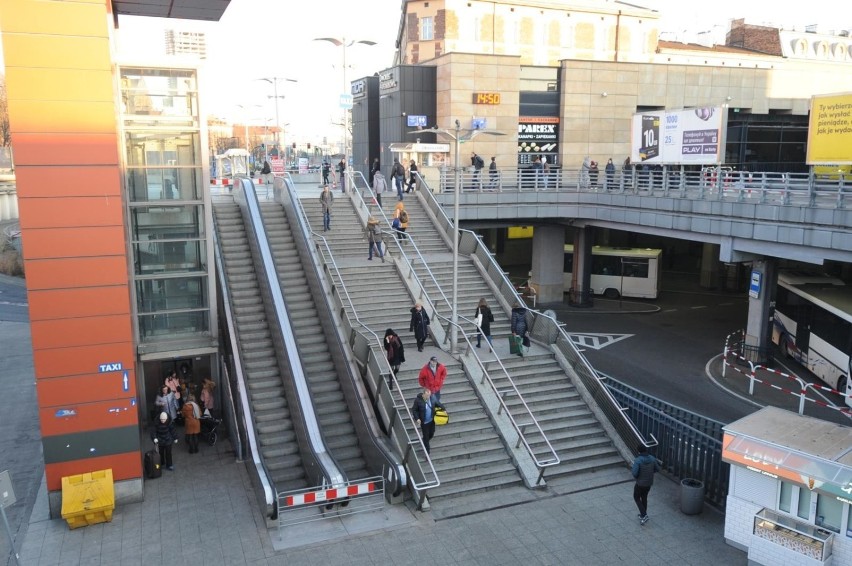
<point>271,415</point>
<point>469,455</point>
<point>326,394</point>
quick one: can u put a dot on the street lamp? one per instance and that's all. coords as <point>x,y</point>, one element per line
<point>245,121</point>
<point>344,43</point>
<point>457,137</point>
<point>274,82</point>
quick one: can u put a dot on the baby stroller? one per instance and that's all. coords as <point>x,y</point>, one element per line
<point>209,424</point>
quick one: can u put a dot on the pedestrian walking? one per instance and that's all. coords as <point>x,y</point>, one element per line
<point>373,168</point>
<point>423,412</point>
<point>395,350</point>
<point>492,174</point>
<point>412,176</point>
<point>483,318</point>
<point>326,200</point>
<point>398,174</point>
<point>644,468</point>
<point>192,425</point>
<point>341,169</point>
<point>164,437</point>
<point>326,169</point>
<point>400,221</point>
<point>419,325</point>
<point>610,174</point>
<point>432,377</point>
<point>477,163</point>
<point>380,184</point>
<point>519,326</point>
<point>374,236</point>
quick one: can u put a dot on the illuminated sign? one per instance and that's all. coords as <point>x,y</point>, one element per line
<point>359,88</point>
<point>486,98</point>
<point>388,80</point>
<point>416,120</point>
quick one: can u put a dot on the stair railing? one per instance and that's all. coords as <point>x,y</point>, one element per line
<point>258,472</point>
<point>387,387</point>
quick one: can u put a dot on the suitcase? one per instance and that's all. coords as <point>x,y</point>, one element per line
<point>153,467</point>
<point>516,345</point>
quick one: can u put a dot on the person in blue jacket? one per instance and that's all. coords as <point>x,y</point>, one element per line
<point>644,468</point>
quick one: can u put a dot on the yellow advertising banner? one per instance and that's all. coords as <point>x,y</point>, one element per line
<point>830,130</point>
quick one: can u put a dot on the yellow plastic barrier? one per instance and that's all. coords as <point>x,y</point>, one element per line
<point>88,499</point>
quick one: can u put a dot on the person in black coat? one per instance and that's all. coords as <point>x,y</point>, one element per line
<point>164,437</point>
<point>395,350</point>
<point>484,319</point>
<point>519,324</point>
<point>419,325</point>
<point>423,412</point>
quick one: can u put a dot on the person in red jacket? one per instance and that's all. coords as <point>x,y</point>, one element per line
<point>432,376</point>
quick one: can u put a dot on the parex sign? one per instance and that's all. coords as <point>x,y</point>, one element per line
<point>695,136</point>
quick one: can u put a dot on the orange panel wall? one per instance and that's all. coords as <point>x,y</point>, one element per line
<point>63,116</point>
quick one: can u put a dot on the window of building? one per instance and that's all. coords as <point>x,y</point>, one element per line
<point>849,522</point>
<point>804,508</point>
<point>829,512</point>
<point>427,29</point>
<point>785,500</point>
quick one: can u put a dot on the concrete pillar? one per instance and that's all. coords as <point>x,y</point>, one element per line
<point>757,336</point>
<point>5,211</point>
<point>581,292</point>
<point>709,265</point>
<point>547,261</point>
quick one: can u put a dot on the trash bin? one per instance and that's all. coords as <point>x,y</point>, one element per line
<point>691,496</point>
<point>88,499</point>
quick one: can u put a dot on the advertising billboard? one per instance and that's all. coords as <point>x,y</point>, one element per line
<point>695,136</point>
<point>830,130</point>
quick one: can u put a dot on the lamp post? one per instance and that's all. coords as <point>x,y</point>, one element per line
<point>457,137</point>
<point>245,108</point>
<point>344,43</point>
<point>274,82</point>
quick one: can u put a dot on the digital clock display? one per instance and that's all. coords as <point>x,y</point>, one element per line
<point>486,98</point>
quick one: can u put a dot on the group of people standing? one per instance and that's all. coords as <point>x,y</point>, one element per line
<point>397,175</point>
<point>176,404</point>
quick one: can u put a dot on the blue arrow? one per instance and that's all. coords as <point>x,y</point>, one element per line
<point>126,382</point>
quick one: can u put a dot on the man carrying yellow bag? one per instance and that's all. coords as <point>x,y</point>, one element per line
<point>426,412</point>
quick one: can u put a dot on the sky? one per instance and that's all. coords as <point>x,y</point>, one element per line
<point>266,38</point>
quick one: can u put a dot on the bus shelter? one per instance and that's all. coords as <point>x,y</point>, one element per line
<point>790,494</point>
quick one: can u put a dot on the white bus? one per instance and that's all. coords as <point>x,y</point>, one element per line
<point>619,272</point>
<point>813,325</point>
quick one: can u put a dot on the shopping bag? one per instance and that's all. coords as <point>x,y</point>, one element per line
<point>441,416</point>
<point>515,342</point>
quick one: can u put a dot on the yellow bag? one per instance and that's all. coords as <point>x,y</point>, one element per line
<point>441,416</point>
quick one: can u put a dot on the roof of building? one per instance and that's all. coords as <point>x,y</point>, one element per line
<point>677,46</point>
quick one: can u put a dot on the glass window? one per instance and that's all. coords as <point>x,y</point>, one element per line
<point>606,265</point>
<point>167,326</point>
<point>829,512</point>
<point>169,257</point>
<point>166,223</point>
<point>164,183</point>
<point>786,497</point>
<point>635,267</point>
<point>849,522</point>
<point>804,510</point>
<point>171,294</point>
<point>152,148</point>
<point>427,30</point>
<point>155,95</point>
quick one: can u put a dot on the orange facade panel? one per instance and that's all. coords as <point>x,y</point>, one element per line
<point>124,467</point>
<point>69,212</point>
<point>82,361</point>
<point>75,242</point>
<point>89,85</point>
<point>39,51</point>
<point>70,418</point>
<point>71,332</point>
<point>71,181</point>
<point>48,149</point>
<point>61,18</point>
<point>79,302</point>
<point>62,116</point>
<point>75,272</point>
<point>89,388</point>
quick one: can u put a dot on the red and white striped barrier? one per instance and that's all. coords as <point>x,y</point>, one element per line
<point>323,495</point>
<point>220,182</point>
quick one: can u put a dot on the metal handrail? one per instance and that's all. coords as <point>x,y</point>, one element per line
<point>561,340</point>
<point>541,464</point>
<point>328,257</point>
<point>267,486</point>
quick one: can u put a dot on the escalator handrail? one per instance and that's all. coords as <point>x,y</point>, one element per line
<point>264,476</point>
<point>331,473</point>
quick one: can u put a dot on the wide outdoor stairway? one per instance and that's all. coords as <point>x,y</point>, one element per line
<point>320,372</point>
<point>270,412</point>
<point>469,456</point>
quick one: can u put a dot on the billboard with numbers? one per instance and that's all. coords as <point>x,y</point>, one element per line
<point>830,130</point>
<point>694,136</point>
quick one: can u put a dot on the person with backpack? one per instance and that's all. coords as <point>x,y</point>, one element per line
<point>326,169</point>
<point>379,186</point>
<point>478,164</point>
<point>412,176</point>
<point>644,468</point>
<point>400,223</point>
<point>398,173</point>
<point>374,237</point>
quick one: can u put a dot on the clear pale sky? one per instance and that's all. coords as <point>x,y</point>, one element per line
<point>264,38</point>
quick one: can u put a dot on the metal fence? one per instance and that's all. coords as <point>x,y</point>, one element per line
<point>690,445</point>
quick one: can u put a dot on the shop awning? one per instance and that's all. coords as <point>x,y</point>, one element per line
<point>419,147</point>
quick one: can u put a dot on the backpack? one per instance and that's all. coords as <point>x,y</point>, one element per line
<point>479,162</point>
<point>403,216</point>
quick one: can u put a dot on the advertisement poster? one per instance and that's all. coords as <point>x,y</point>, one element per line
<point>694,136</point>
<point>830,130</point>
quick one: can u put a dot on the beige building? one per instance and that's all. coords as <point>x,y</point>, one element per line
<point>606,61</point>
